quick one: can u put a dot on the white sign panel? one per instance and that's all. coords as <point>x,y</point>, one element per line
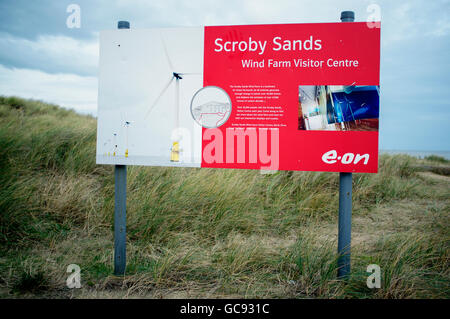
<point>147,79</point>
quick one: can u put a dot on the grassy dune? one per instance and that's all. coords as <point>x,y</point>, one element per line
<point>207,232</point>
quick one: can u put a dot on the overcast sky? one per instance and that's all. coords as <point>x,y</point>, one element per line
<point>41,58</point>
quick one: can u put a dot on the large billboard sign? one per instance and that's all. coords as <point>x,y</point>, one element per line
<point>273,97</point>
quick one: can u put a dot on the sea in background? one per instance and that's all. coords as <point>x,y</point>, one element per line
<point>419,154</point>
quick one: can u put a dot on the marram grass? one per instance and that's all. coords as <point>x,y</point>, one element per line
<point>207,232</point>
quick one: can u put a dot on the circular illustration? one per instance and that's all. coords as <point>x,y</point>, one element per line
<point>211,106</point>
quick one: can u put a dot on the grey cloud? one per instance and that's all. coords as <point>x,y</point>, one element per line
<point>51,54</point>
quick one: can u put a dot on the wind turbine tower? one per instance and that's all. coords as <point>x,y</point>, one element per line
<point>177,76</point>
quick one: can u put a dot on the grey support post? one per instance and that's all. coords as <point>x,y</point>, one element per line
<point>345,203</point>
<point>120,207</point>
<point>345,224</point>
<point>347,16</point>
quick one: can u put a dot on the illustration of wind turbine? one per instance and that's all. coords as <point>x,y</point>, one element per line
<point>177,76</point>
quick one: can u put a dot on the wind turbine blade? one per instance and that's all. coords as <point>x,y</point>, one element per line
<point>167,53</point>
<point>159,97</point>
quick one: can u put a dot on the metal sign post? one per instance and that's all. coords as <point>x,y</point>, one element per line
<point>120,207</point>
<point>345,203</point>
